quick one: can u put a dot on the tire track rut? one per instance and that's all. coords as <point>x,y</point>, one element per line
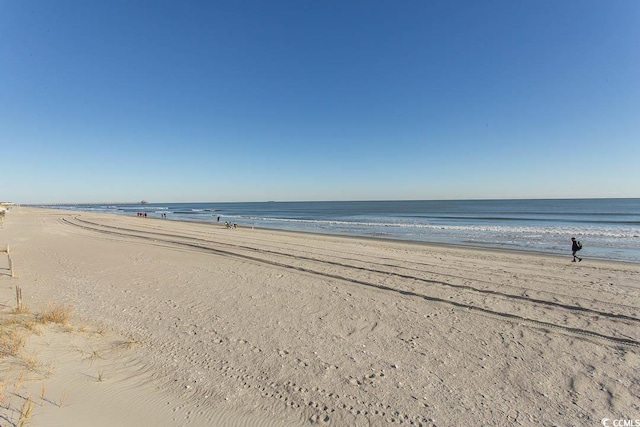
<point>350,273</point>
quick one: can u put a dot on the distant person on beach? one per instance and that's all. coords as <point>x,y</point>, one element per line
<point>575,247</point>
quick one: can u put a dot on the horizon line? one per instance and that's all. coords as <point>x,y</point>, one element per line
<point>313,201</point>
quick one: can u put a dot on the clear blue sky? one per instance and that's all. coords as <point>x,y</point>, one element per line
<point>318,100</point>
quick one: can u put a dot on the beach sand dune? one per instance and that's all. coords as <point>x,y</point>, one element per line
<point>202,325</point>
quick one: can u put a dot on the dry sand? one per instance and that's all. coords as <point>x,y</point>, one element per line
<point>180,324</point>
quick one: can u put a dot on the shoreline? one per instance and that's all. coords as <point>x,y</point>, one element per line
<point>372,238</point>
<point>268,327</point>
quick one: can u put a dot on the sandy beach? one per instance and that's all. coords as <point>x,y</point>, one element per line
<point>189,324</point>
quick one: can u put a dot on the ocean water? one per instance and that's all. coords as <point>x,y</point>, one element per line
<point>608,228</point>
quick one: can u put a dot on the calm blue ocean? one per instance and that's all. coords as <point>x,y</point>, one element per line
<point>608,228</point>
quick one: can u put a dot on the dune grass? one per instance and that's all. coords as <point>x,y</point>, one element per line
<point>25,413</point>
<point>15,328</point>
<point>17,325</point>
<point>12,339</point>
<point>59,314</point>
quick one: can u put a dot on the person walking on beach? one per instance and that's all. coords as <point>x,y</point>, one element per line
<point>575,247</point>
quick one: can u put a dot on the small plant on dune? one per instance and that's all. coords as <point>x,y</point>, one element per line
<point>91,355</point>
<point>63,398</point>
<point>55,314</point>
<point>21,310</point>
<point>100,376</point>
<point>34,327</point>
<point>25,413</point>
<point>128,343</point>
<point>11,341</point>
<point>30,361</point>
<point>18,382</point>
